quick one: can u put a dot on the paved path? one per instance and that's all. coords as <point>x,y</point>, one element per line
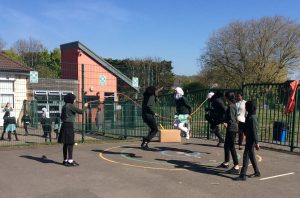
<point>123,170</point>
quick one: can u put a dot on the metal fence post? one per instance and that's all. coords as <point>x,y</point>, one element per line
<point>83,101</point>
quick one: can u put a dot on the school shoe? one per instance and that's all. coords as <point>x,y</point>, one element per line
<point>233,171</point>
<point>65,163</point>
<point>73,163</point>
<point>255,175</point>
<point>223,166</point>
<point>144,144</point>
<point>240,178</point>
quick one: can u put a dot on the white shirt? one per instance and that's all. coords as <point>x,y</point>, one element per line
<point>241,110</point>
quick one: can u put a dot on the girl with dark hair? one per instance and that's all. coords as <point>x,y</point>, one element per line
<point>231,126</point>
<point>66,135</point>
<point>148,114</point>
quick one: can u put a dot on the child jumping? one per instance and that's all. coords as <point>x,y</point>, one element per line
<point>183,112</point>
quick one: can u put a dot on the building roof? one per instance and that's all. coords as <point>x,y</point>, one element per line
<point>8,64</point>
<point>100,60</point>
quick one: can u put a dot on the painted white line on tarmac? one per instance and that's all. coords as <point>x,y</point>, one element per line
<point>292,173</point>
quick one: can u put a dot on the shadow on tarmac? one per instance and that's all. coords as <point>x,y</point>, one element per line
<point>204,169</point>
<point>42,159</point>
<point>133,155</point>
<point>201,144</point>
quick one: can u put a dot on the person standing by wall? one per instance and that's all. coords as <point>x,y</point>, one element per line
<point>183,112</point>
<point>66,135</point>
<point>251,130</point>
<point>241,117</point>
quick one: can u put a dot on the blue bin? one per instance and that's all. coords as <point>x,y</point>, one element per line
<point>280,130</point>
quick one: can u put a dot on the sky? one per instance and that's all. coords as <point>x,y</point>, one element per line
<point>171,30</point>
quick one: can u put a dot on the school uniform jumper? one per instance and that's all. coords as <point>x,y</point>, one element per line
<point>251,140</point>
<point>66,135</point>
<point>231,130</point>
<point>217,111</point>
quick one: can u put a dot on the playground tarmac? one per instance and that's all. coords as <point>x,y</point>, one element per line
<point>122,169</point>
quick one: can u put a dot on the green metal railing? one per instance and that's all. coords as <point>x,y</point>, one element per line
<point>123,118</point>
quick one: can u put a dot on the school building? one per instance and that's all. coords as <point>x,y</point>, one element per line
<point>84,73</point>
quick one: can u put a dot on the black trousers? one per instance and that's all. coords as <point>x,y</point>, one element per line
<point>241,133</point>
<point>68,151</point>
<point>216,130</point>
<point>230,148</point>
<point>151,122</point>
<point>249,153</point>
<point>26,129</point>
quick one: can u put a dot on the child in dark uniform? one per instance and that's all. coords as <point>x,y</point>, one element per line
<point>47,126</point>
<point>11,126</point>
<point>7,109</point>
<point>26,121</point>
<point>231,126</point>
<point>251,129</point>
<point>66,135</point>
<point>148,115</point>
<point>56,126</point>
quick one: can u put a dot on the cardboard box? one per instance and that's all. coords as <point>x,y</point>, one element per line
<point>169,135</point>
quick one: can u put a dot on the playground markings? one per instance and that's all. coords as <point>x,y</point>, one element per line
<point>101,155</point>
<point>165,152</point>
<point>292,173</point>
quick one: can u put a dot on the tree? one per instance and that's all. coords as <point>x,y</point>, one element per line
<point>254,51</point>
<point>192,86</point>
<point>54,64</point>
<point>33,54</point>
<point>30,51</point>
<point>10,53</point>
<point>150,71</point>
